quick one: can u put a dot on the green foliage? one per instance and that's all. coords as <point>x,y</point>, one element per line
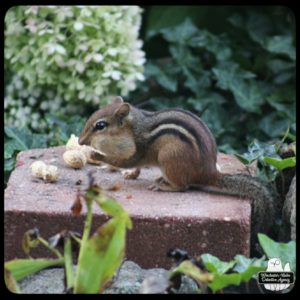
<point>99,256</point>
<point>58,57</point>
<point>244,269</point>
<point>21,268</point>
<point>214,265</point>
<point>218,274</point>
<point>285,251</point>
<point>21,139</point>
<point>59,128</point>
<point>57,131</point>
<point>268,156</point>
<point>189,269</point>
<point>246,72</point>
<point>159,17</point>
<point>281,164</point>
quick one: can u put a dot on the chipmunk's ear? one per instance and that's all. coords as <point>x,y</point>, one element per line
<point>121,113</point>
<point>117,99</point>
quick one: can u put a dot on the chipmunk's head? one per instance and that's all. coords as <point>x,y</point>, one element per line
<point>108,129</point>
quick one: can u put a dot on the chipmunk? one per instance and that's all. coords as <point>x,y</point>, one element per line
<point>180,144</point>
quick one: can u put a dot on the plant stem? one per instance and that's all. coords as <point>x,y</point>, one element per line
<point>55,251</point>
<point>85,237</point>
<point>87,224</point>
<point>68,262</point>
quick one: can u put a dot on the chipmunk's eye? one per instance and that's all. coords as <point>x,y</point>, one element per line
<point>101,125</point>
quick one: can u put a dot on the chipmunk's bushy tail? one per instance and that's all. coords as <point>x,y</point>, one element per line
<point>263,197</point>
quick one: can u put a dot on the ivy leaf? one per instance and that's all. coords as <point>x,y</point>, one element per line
<point>247,95</point>
<point>228,72</point>
<point>20,136</point>
<point>273,125</point>
<point>9,164</point>
<point>285,251</point>
<point>281,164</point>
<point>39,141</point>
<point>214,265</point>
<point>198,83</point>
<point>181,33</point>
<point>246,270</point>
<point>224,280</point>
<point>243,263</point>
<point>280,65</point>
<point>184,58</point>
<point>281,44</point>
<point>215,44</point>
<point>10,147</point>
<point>165,80</point>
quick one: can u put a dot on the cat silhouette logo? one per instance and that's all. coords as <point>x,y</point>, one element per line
<point>276,277</point>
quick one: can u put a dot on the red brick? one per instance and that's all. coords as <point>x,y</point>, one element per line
<point>195,221</point>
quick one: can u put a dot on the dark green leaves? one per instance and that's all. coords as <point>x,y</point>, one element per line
<point>258,150</point>
<point>281,44</point>
<point>262,29</point>
<point>17,140</point>
<point>61,128</point>
<point>180,34</point>
<point>21,139</point>
<point>267,154</point>
<point>247,93</point>
<point>166,80</point>
<point>251,66</point>
<point>58,131</point>
<point>218,45</point>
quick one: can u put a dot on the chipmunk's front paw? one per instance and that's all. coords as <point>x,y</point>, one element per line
<point>153,187</point>
<point>109,168</point>
<point>162,185</point>
<point>131,174</point>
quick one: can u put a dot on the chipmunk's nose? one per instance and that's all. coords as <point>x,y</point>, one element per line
<point>83,140</point>
<point>80,141</point>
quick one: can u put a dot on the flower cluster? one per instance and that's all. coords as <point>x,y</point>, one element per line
<point>24,106</point>
<point>83,54</point>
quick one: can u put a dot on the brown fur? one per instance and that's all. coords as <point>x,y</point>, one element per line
<point>185,152</point>
<point>177,142</point>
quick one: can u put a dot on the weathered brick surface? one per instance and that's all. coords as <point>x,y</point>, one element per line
<point>196,221</point>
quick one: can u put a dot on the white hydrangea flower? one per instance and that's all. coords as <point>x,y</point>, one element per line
<point>115,75</point>
<point>78,26</point>
<point>103,51</point>
<point>112,51</point>
<point>98,57</point>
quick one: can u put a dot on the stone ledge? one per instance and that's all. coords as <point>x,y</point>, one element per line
<point>196,221</point>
